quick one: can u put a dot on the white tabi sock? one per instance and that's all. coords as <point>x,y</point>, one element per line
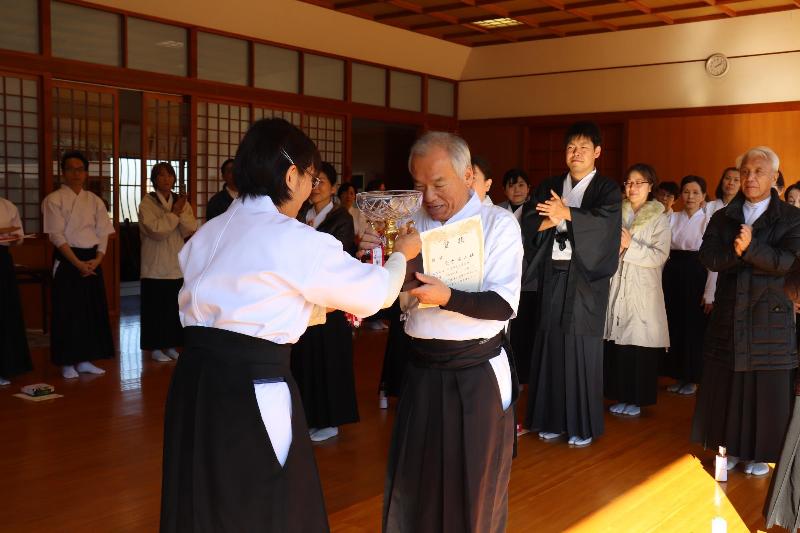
<point>69,372</point>
<point>88,368</point>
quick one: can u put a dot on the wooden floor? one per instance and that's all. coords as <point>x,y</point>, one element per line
<point>91,461</point>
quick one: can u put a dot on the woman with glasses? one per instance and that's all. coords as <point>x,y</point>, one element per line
<point>237,456</point>
<point>636,330</point>
<point>688,289</point>
<point>322,360</point>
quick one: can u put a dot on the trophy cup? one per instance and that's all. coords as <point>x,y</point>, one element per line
<point>387,207</point>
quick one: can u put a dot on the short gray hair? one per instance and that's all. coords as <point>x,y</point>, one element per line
<point>760,151</point>
<point>455,146</point>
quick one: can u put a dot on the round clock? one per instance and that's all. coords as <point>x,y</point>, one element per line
<point>717,65</point>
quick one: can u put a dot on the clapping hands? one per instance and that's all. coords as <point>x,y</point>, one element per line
<point>743,240</point>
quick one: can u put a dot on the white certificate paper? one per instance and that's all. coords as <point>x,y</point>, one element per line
<point>454,254</point>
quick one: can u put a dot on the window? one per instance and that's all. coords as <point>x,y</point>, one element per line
<point>19,148</point>
<point>441,97</point>
<point>323,76</point>
<point>19,25</point>
<point>277,68</point>
<point>156,47</point>
<point>369,84</point>
<point>221,58</point>
<point>405,91</point>
<point>86,34</point>
<point>220,128</point>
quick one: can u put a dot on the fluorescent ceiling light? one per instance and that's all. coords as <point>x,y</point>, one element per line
<point>497,23</point>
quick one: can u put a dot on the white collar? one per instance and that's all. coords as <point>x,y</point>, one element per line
<point>757,205</point>
<point>472,207</point>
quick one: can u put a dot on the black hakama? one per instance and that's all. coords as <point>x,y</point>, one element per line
<point>522,331</point>
<point>220,470</point>
<point>395,357</point>
<point>747,412</point>
<point>80,330</point>
<point>322,366</point>
<point>15,358</point>
<point>566,383</point>
<point>684,286</point>
<point>161,324</point>
<point>450,458</point>
<point>630,373</point>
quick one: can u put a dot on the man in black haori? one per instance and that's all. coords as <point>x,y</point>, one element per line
<point>571,233</point>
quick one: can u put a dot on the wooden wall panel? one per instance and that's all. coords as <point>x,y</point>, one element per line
<point>704,145</point>
<point>501,144</point>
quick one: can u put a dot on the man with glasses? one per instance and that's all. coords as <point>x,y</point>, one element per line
<point>78,225</point>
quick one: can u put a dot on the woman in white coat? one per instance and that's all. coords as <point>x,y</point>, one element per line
<point>636,330</point>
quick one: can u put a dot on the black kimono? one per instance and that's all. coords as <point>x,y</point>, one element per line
<point>219,203</point>
<point>566,377</point>
<point>322,360</point>
<point>15,358</point>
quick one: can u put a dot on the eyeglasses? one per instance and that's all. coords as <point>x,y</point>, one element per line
<point>636,183</point>
<point>314,179</point>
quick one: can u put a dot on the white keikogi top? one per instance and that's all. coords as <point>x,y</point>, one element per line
<point>162,235</point>
<point>502,248</point>
<point>9,217</point>
<point>79,220</point>
<point>687,234</point>
<point>572,196</point>
<point>255,271</point>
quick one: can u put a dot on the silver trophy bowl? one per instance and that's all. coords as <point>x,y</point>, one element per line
<point>387,207</point>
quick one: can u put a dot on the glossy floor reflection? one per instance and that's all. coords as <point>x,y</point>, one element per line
<point>91,461</point>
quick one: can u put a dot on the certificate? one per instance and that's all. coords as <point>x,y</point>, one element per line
<point>454,254</point>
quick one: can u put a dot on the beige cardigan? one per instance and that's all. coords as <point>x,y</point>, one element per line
<point>636,314</point>
<point>162,233</point>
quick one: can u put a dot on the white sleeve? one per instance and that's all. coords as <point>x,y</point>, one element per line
<point>54,223</point>
<point>340,281</point>
<point>711,287</point>
<point>503,261</point>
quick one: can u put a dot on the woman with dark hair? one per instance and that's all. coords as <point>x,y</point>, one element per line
<point>667,192</point>
<point>322,360</point>
<point>792,195</point>
<point>688,288</point>
<point>636,331</point>
<point>15,358</point>
<point>166,220</point>
<point>482,178</point>
<point>728,187</point>
<point>237,455</point>
<point>517,189</point>
<point>347,198</point>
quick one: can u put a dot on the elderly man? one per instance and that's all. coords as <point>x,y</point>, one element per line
<point>750,353</point>
<point>450,457</point>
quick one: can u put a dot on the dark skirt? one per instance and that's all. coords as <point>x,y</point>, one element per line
<point>80,328</point>
<point>395,357</point>
<point>566,380</point>
<point>322,366</point>
<point>684,282</point>
<point>783,498</point>
<point>220,471</point>
<point>522,330</point>
<point>450,457</point>
<point>747,412</point>
<point>161,324</point>
<point>15,358</point>
<point>630,373</point>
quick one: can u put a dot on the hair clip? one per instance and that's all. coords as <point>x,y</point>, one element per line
<point>289,159</point>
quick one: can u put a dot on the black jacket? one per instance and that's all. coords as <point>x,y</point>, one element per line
<point>594,234</point>
<point>752,324</point>
<point>338,223</point>
<point>218,204</point>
